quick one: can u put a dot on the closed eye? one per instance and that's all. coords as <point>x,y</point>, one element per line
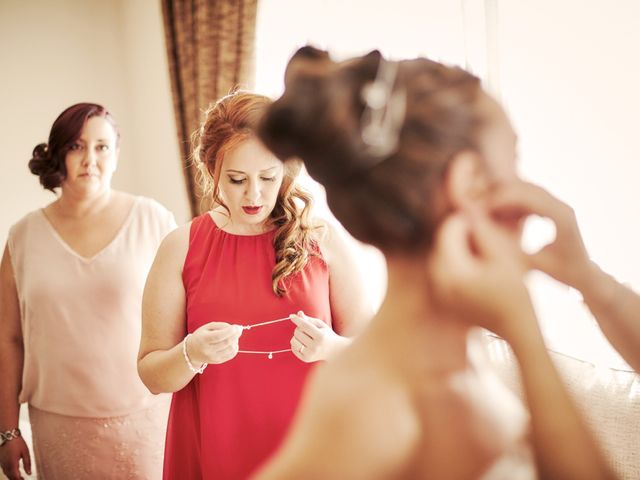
<point>237,181</point>
<point>268,179</point>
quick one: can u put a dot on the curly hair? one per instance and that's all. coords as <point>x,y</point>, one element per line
<point>228,122</point>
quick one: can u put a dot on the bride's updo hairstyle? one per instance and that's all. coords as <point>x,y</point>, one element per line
<point>379,136</point>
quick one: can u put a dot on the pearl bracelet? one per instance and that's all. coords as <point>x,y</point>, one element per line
<point>9,435</point>
<point>186,358</point>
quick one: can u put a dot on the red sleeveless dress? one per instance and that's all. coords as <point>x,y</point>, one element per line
<point>228,420</point>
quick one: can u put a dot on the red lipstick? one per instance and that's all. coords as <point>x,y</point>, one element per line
<point>251,210</point>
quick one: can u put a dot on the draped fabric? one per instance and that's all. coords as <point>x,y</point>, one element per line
<point>210,46</point>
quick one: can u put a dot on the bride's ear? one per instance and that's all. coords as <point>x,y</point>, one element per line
<point>465,180</point>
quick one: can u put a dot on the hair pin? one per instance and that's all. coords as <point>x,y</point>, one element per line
<point>384,111</point>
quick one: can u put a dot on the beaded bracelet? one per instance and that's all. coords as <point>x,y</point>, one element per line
<point>9,435</point>
<point>186,358</point>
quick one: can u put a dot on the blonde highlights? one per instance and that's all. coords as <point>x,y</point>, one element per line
<point>295,235</point>
<point>229,122</point>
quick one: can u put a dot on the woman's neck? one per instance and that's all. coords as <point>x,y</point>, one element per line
<point>408,321</point>
<point>73,206</point>
<point>225,222</point>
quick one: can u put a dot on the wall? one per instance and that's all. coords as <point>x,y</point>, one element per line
<point>155,150</point>
<point>54,54</point>
<point>569,75</point>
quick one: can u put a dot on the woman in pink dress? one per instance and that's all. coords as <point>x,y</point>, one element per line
<point>72,277</point>
<point>240,303</point>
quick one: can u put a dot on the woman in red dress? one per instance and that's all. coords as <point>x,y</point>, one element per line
<point>240,302</point>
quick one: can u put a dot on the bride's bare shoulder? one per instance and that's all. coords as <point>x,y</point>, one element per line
<point>357,413</point>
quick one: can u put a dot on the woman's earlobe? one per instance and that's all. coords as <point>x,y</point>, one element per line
<point>465,181</point>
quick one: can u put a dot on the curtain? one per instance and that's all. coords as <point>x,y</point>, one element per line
<point>210,46</point>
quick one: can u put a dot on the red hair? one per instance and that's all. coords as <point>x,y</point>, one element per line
<point>229,122</point>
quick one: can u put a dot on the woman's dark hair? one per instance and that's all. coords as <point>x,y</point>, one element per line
<point>48,160</point>
<point>387,200</point>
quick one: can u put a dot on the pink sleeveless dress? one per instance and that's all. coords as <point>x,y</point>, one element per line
<point>228,420</point>
<point>91,416</point>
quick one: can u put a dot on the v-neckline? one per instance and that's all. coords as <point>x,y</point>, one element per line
<point>74,253</point>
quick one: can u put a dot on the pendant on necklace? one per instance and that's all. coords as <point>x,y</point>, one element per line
<point>270,355</point>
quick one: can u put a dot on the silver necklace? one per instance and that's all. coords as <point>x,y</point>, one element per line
<point>268,353</point>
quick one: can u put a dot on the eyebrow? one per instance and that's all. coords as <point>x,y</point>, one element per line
<point>230,170</point>
<point>97,140</point>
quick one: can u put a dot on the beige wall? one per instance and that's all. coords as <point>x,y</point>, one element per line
<point>158,173</point>
<point>56,53</point>
<point>570,73</point>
